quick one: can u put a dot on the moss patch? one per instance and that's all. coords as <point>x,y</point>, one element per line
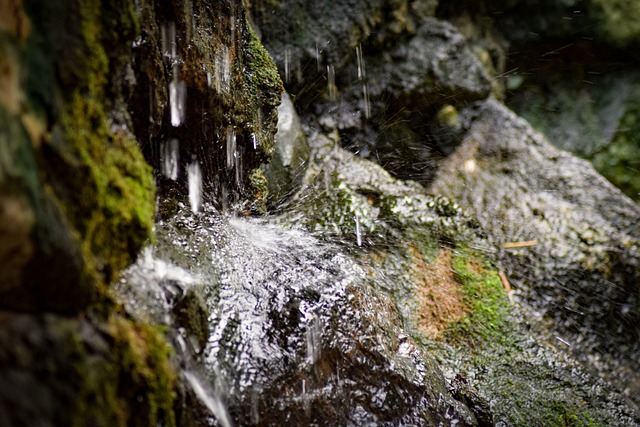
<point>487,300</point>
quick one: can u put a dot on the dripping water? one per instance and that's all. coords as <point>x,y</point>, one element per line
<point>362,75</point>
<point>169,154</point>
<point>331,82</point>
<point>231,148</point>
<point>195,186</point>
<point>177,98</point>
<point>358,230</point>
<point>211,400</point>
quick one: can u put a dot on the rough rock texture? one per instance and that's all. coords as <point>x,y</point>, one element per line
<point>296,329</point>
<point>291,155</point>
<point>61,371</point>
<point>209,54</point>
<point>432,261</point>
<point>87,90</point>
<point>583,272</point>
<point>569,68</point>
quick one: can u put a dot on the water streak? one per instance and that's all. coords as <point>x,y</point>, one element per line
<point>222,72</point>
<point>314,340</point>
<point>169,153</point>
<point>287,64</point>
<point>331,82</point>
<point>362,75</point>
<point>177,98</point>
<point>231,148</point>
<point>211,400</point>
<point>169,46</point>
<point>358,231</point>
<point>195,186</point>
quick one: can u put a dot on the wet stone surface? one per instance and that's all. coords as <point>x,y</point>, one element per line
<point>297,332</point>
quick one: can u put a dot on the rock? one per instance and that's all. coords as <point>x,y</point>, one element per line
<point>297,330</point>
<point>582,268</point>
<point>433,66</point>
<point>435,264</point>
<point>285,171</point>
<point>62,371</point>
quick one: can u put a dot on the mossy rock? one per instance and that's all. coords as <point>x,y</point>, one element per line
<point>60,371</point>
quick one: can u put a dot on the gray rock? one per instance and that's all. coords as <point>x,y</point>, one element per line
<point>582,274</point>
<point>286,169</point>
<point>433,66</point>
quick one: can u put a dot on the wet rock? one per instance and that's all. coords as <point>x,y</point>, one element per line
<point>305,38</point>
<point>581,269</point>
<point>203,89</point>
<point>286,169</point>
<point>303,336</point>
<point>432,66</point>
<point>63,371</point>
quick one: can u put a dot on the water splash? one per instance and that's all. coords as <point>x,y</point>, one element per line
<point>211,400</point>
<point>169,154</point>
<point>195,186</point>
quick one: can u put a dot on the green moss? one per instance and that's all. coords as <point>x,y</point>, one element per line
<point>262,71</point>
<point>130,384</point>
<point>111,199</point>
<point>485,295</point>
<point>265,88</point>
<point>260,191</point>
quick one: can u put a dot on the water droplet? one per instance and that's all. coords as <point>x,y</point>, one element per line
<point>254,138</point>
<point>169,153</point>
<point>195,186</point>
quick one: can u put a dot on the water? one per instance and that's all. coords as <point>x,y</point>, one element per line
<point>295,331</point>
<point>362,75</point>
<point>314,337</point>
<point>169,154</point>
<point>169,46</point>
<point>231,151</point>
<point>177,99</point>
<point>287,65</point>
<point>195,186</point>
<point>222,72</point>
<point>358,230</point>
<point>209,398</point>
<point>331,82</point>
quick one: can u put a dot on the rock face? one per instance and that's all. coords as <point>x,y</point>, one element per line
<point>93,94</point>
<point>361,299</point>
<point>583,270</point>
